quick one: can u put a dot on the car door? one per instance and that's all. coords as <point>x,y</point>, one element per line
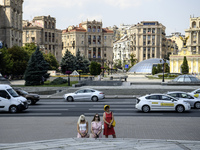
<point>79,95</point>
<point>87,94</point>
<point>4,100</point>
<point>187,98</point>
<point>168,103</point>
<point>154,102</point>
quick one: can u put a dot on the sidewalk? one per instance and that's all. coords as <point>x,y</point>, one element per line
<point>104,144</point>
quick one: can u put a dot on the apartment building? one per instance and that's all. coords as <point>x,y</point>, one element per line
<point>42,31</point>
<point>93,41</point>
<point>122,51</point>
<point>11,22</point>
<point>193,43</point>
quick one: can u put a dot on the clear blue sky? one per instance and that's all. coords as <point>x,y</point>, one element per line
<point>173,14</point>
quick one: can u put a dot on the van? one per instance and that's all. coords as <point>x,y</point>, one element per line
<point>10,100</point>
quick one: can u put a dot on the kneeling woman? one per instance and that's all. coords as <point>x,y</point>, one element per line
<point>82,127</point>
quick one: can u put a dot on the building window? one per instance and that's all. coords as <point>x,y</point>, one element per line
<point>94,29</point>
<point>94,52</point>
<point>144,55</point>
<point>94,39</point>
<point>49,47</point>
<point>89,39</point>
<point>82,42</point>
<point>99,52</point>
<point>89,53</point>
<point>98,29</point>
<point>89,28</point>
<point>144,30</point>
<point>27,39</point>
<point>153,30</point>
<point>32,39</point>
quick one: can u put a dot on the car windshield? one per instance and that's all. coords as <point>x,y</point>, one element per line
<point>12,92</point>
<point>23,92</point>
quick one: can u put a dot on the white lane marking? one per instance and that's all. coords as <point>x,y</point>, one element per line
<point>33,114</point>
<point>113,106</point>
<point>29,109</point>
<point>51,106</point>
<point>113,109</point>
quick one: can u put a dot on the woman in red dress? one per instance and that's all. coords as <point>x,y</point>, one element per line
<point>108,119</point>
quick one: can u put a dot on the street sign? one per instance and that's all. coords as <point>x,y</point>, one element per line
<point>126,66</point>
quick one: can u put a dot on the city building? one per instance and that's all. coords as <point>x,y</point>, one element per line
<point>42,31</point>
<point>190,49</point>
<point>193,42</point>
<point>149,38</point>
<point>178,42</point>
<point>93,41</point>
<point>122,51</point>
<point>11,22</point>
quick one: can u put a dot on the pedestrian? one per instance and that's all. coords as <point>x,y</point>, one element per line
<point>108,119</point>
<point>82,127</point>
<point>96,127</point>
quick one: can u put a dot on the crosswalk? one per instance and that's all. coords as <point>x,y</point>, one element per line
<point>59,107</point>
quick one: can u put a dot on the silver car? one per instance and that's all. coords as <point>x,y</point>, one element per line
<point>85,94</point>
<point>193,101</point>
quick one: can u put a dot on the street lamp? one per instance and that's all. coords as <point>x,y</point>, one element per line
<point>163,66</point>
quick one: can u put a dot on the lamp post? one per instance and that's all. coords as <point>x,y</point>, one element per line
<point>163,66</point>
<point>68,72</point>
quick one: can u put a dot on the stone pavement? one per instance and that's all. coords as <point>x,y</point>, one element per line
<point>104,144</point>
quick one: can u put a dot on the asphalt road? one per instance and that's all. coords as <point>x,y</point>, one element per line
<point>120,107</point>
<point>56,119</point>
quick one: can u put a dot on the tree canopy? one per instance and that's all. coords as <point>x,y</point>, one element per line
<point>36,69</point>
<point>185,67</point>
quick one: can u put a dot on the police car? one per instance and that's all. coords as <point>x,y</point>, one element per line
<point>155,102</point>
<point>192,100</point>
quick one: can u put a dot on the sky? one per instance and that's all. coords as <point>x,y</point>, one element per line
<point>173,14</point>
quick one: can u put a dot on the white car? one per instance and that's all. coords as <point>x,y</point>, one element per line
<point>193,101</point>
<point>155,102</point>
<point>195,93</point>
<point>85,94</point>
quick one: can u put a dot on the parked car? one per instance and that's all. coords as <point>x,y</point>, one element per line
<point>31,98</point>
<point>195,93</point>
<point>85,94</point>
<point>155,102</point>
<point>193,101</point>
<point>10,100</point>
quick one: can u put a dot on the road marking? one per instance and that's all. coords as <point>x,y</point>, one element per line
<point>33,114</point>
<point>47,109</point>
<point>51,106</point>
<point>113,106</point>
<point>113,109</point>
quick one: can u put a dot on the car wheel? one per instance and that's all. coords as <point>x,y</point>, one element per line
<point>180,108</point>
<point>30,102</point>
<point>145,108</point>
<point>70,99</point>
<point>13,109</point>
<point>94,98</point>
<point>197,105</point>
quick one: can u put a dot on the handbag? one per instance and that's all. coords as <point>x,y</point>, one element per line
<point>113,124</point>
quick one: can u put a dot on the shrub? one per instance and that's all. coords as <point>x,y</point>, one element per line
<point>58,81</point>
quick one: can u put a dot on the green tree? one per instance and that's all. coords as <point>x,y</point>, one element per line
<point>159,68</point>
<point>20,59</point>
<point>30,48</point>
<point>36,69</point>
<point>133,59</point>
<point>51,59</point>
<point>154,70</point>
<point>95,68</point>
<point>68,62</point>
<point>81,63</point>
<point>167,68</point>
<point>6,63</point>
<point>184,66</point>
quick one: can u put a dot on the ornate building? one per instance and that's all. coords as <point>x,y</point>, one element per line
<point>11,22</point>
<point>93,41</point>
<point>42,31</point>
<point>193,33</point>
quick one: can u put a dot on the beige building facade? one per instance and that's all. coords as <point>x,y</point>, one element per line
<point>93,41</point>
<point>42,31</point>
<point>193,42</point>
<point>11,22</point>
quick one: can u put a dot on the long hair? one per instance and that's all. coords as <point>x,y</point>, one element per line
<point>82,117</point>
<point>94,117</point>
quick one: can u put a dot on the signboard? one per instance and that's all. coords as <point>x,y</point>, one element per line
<point>126,66</point>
